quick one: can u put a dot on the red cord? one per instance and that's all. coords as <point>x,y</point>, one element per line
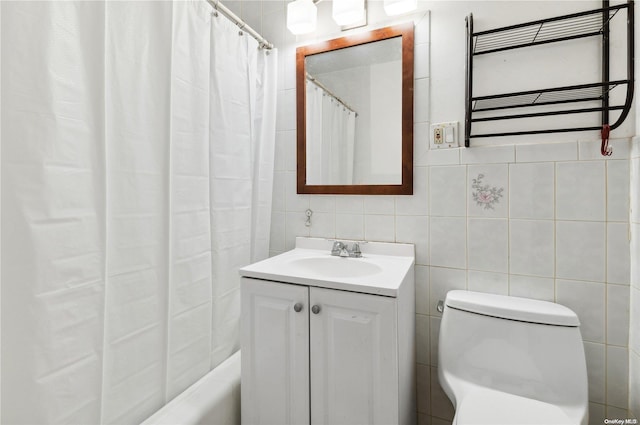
<point>605,149</point>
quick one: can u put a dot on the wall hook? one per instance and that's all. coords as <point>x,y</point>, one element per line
<point>308,213</point>
<point>605,149</point>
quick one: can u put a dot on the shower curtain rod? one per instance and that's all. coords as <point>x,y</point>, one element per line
<point>219,7</point>
<point>329,92</point>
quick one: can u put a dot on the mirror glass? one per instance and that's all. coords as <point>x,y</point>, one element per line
<point>355,114</point>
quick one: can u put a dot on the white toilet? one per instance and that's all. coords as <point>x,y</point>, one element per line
<point>512,361</point>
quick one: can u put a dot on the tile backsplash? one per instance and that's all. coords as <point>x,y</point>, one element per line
<point>548,221</point>
<point>530,242</point>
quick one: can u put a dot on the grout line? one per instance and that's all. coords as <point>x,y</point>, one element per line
<point>555,231</point>
<point>509,225</point>
<point>466,224</point>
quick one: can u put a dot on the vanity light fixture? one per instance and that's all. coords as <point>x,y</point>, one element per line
<point>347,12</point>
<point>302,16</point>
<point>397,7</point>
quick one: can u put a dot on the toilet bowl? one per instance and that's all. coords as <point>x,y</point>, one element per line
<point>512,361</point>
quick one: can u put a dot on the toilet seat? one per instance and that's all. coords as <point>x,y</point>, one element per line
<point>490,407</point>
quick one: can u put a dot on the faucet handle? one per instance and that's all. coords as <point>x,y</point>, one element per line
<point>355,250</point>
<point>337,248</point>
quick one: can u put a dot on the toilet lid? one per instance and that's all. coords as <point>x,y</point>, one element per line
<point>488,407</point>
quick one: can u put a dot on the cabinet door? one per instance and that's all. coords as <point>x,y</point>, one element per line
<point>275,353</point>
<point>354,377</point>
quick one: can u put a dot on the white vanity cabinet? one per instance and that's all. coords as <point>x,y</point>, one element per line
<point>275,353</point>
<point>321,355</point>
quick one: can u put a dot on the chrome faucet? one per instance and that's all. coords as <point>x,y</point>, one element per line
<point>341,249</point>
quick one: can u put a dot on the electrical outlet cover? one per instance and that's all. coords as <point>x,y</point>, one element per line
<point>444,135</point>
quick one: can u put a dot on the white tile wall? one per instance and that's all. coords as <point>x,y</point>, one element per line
<point>489,282</point>
<point>421,61</point>
<point>596,413</point>
<point>635,254</point>
<point>618,190</point>
<point>379,205</point>
<point>421,100</point>
<point>538,288</point>
<point>488,155</point>
<point>547,152</point>
<point>420,144</point>
<point>617,377</point>
<point>487,244</point>
<point>580,190</point>
<point>414,229</point>
<point>615,412</point>
<point>532,247</point>
<point>634,199</point>
<point>350,226</point>
<point>447,191</point>
<point>422,290</point>
<point>580,250</point>
<point>442,281</point>
<point>618,260</point>
<point>634,384</point>
<point>324,225</point>
<point>423,390</point>
<point>634,310</point>
<point>444,157</point>
<point>418,203</point>
<point>277,238</point>
<point>441,407</point>
<point>448,242</point>
<point>286,113</point>
<point>596,371</point>
<point>591,149</point>
<point>532,190</point>
<point>587,299</point>
<point>618,315</point>
<point>634,307</point>
<point>422,339</point>
<point>293,201</point>
<point>294,227</point>
<point>379,228</point>
<point>433,342</point>
<point>349,204</point>
<point>322,203</point>
<point>557,233</point>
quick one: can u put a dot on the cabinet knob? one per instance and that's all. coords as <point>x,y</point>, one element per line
<point>297,307</point>
<point>315,309</point>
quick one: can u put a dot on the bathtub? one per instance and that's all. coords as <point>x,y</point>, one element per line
<point>213,400</point>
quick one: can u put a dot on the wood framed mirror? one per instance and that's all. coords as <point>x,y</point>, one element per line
<point>354,103</point>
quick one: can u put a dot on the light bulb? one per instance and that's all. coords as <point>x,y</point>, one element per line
<point>301,16</point>
<point>346,12</point>
<point>397,7</point>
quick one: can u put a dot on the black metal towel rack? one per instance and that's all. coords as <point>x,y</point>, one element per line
<point>570,99</point>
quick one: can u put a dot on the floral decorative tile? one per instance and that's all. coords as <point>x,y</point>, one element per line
<point>487,190</point>
<point>485,195</point>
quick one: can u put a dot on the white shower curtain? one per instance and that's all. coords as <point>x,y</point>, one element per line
<point>330,138</point>
<point>137,165</point>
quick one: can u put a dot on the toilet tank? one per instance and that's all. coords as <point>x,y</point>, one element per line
<point>521,346</point>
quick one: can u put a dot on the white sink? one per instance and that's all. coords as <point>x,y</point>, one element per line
<point>381,270</point>
<point>336,266</point>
